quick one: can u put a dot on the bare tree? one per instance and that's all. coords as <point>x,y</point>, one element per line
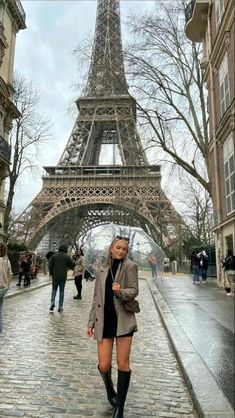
<point>196,207</point>
<point>164,73</point>
<point>28,133</point>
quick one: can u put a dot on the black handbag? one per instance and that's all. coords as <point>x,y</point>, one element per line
<point>131,306</point>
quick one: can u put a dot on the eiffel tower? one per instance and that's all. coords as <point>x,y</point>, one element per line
<point>80,193</point>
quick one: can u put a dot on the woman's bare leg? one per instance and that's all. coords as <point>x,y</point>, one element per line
<point>123,353</point>
<point>105,349</point>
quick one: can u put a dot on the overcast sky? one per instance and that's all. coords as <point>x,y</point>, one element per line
<point>44,54</point>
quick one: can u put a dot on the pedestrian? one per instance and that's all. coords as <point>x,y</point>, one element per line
<point>49,255</point>
<point>116,284</point>
<point>229,268</point>
<point>21,268</point>
<point>195,267</point>
<point>59,264</point>
<point>152,260</point>
<point>5,278</point>
<point>27,268</point>
<point>203,265</point>
<point>78,271</point>
<point>166,264</point>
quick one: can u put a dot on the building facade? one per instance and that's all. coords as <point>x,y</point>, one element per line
<point>12,19</point>
<point>211,22</point>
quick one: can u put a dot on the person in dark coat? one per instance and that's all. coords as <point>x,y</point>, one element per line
<point>27,266</point>
<point>203,265</point>
<point>229,268</point>
<point>116,284</point>
<point>195,263</point>
<point>59,265</point>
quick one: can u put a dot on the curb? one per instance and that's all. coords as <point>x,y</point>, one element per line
<point>29,289</point>
<point>208,399</point>
<point>18,292</point>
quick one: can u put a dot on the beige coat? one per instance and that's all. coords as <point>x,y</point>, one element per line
<point>79,267</point>
<point>5,272</point>
<point>127,276</point>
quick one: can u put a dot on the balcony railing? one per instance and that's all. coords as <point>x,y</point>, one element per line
<point>189,10</point>
<point>5,150</point>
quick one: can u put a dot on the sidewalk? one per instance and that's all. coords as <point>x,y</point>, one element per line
<point>48,367</point>
<point>42,280</point>
<point>199,320</point>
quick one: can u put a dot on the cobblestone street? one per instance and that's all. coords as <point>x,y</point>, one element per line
<point>48,367</point>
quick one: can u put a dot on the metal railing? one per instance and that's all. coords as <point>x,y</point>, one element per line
<point>189,10</point>
<point>111,170</point>
<point>5,150</point>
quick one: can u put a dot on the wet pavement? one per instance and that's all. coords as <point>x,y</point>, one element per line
<point>200,323</point>
<point>48,367</point>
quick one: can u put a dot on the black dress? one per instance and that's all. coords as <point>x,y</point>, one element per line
<point>110,316</point>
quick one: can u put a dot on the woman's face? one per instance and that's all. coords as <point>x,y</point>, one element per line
<point>78,252</point>
<point>119,249</point>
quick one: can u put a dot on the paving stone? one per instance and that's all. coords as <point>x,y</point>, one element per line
<point>12,413</point>
<point>48,366</point>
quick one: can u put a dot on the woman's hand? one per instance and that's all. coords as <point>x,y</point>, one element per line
<point>90,332</point>
<point>116,287</point>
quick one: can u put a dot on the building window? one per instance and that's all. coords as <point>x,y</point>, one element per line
<point>219,11</point>
<point>229,174</point>
<point>224,85</point>
<point>229,242</point>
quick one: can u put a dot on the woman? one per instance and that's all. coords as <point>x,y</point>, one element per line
<point>152,260</point>
<point>78,271</point>
<point>5,277</point>
<point>117,281</point>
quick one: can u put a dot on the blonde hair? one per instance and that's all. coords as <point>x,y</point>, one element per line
<point>108,260</point>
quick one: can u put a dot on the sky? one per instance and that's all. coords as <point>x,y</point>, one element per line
<point>44,54</point>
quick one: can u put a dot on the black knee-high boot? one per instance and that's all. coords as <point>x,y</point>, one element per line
<point>111,394</point>
<point>122,389</point>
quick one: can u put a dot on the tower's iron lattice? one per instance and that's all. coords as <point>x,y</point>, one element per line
<point>79,193</point>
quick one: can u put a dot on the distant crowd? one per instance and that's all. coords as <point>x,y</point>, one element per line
<point>199,267</point>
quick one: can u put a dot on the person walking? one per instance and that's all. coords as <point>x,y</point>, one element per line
<point>203,265</point>
<point>152,260</point>
<point>195,267</point>
<point>27,267</point>
<point>78,271</point>
<point>5,278</point>
<point>229,268</point>
<point>59,265</point>
<point>21,268</point>
<point>166,263</point>
<point>116,284</point>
